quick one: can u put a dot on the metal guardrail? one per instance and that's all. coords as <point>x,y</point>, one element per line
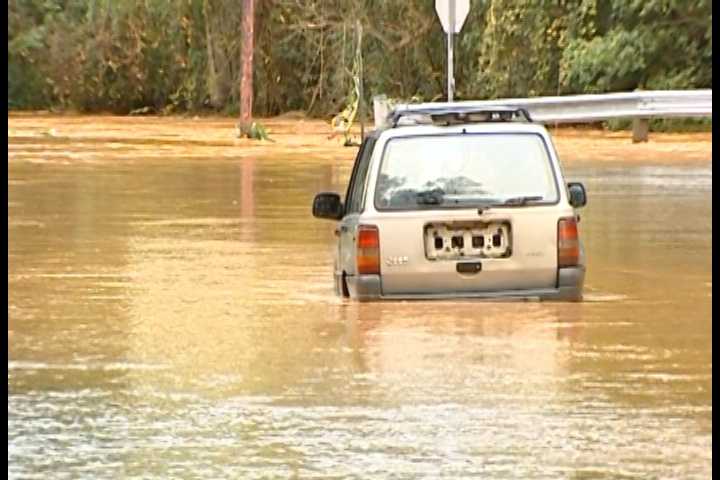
<point>640,105</point>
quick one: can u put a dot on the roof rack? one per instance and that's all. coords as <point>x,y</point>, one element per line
<point>459,115</point>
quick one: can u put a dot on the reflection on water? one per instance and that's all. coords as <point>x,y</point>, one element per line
<point>176,318</point>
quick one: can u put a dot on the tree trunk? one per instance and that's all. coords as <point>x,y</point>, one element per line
<point>212,78</point>
<point>246,66</point>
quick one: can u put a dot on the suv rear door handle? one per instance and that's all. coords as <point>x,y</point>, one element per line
<point>468,267</point>
<point>342,228</point>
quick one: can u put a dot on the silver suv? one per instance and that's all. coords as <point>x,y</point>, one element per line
<point>459,202</point>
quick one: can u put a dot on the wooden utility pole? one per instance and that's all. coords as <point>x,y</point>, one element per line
<point>246,66</point>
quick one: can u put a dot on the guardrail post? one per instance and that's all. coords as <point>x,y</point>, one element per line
<point>640,130</point>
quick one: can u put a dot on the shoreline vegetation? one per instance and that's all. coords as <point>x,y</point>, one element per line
<point>107,137</point>
<point>140,56</point>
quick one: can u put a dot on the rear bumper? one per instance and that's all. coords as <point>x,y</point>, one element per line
<point>569,289</point>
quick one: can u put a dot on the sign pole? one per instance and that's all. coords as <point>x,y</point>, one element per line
<point>452,15</point>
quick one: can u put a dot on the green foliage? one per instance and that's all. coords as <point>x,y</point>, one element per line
<point>647,44</point>
<point>256,131</point>
<point>613,62</point>
<point>165,57</point>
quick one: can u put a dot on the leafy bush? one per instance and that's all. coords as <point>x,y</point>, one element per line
<point>159,56</point>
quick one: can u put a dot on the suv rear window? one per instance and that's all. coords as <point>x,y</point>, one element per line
<point>464,170</point>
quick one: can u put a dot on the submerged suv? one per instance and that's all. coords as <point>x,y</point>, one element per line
<point>460,202</point>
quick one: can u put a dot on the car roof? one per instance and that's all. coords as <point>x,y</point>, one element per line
<point>444,114</point>
<point>429,119</point>
<point>489,127</point>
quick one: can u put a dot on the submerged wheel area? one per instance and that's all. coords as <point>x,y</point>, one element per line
<point>343,287</point>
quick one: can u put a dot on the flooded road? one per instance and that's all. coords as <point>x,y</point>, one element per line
<point>171,315</point>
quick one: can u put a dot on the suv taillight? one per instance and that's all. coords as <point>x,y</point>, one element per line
<point>368,250</point>
<point>568,243</point>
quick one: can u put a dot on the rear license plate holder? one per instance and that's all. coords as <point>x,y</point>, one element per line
<point>467,240</point>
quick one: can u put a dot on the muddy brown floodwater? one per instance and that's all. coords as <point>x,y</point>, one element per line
<point>171,315</point>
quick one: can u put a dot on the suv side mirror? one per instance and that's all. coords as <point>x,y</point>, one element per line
<point>578,197</point>
<point>328,205</point>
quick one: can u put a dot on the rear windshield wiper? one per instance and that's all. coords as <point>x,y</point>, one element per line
<point>430,197</point>
<point>521,200</point>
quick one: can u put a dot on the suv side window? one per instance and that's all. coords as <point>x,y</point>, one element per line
<point>356,189</point>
